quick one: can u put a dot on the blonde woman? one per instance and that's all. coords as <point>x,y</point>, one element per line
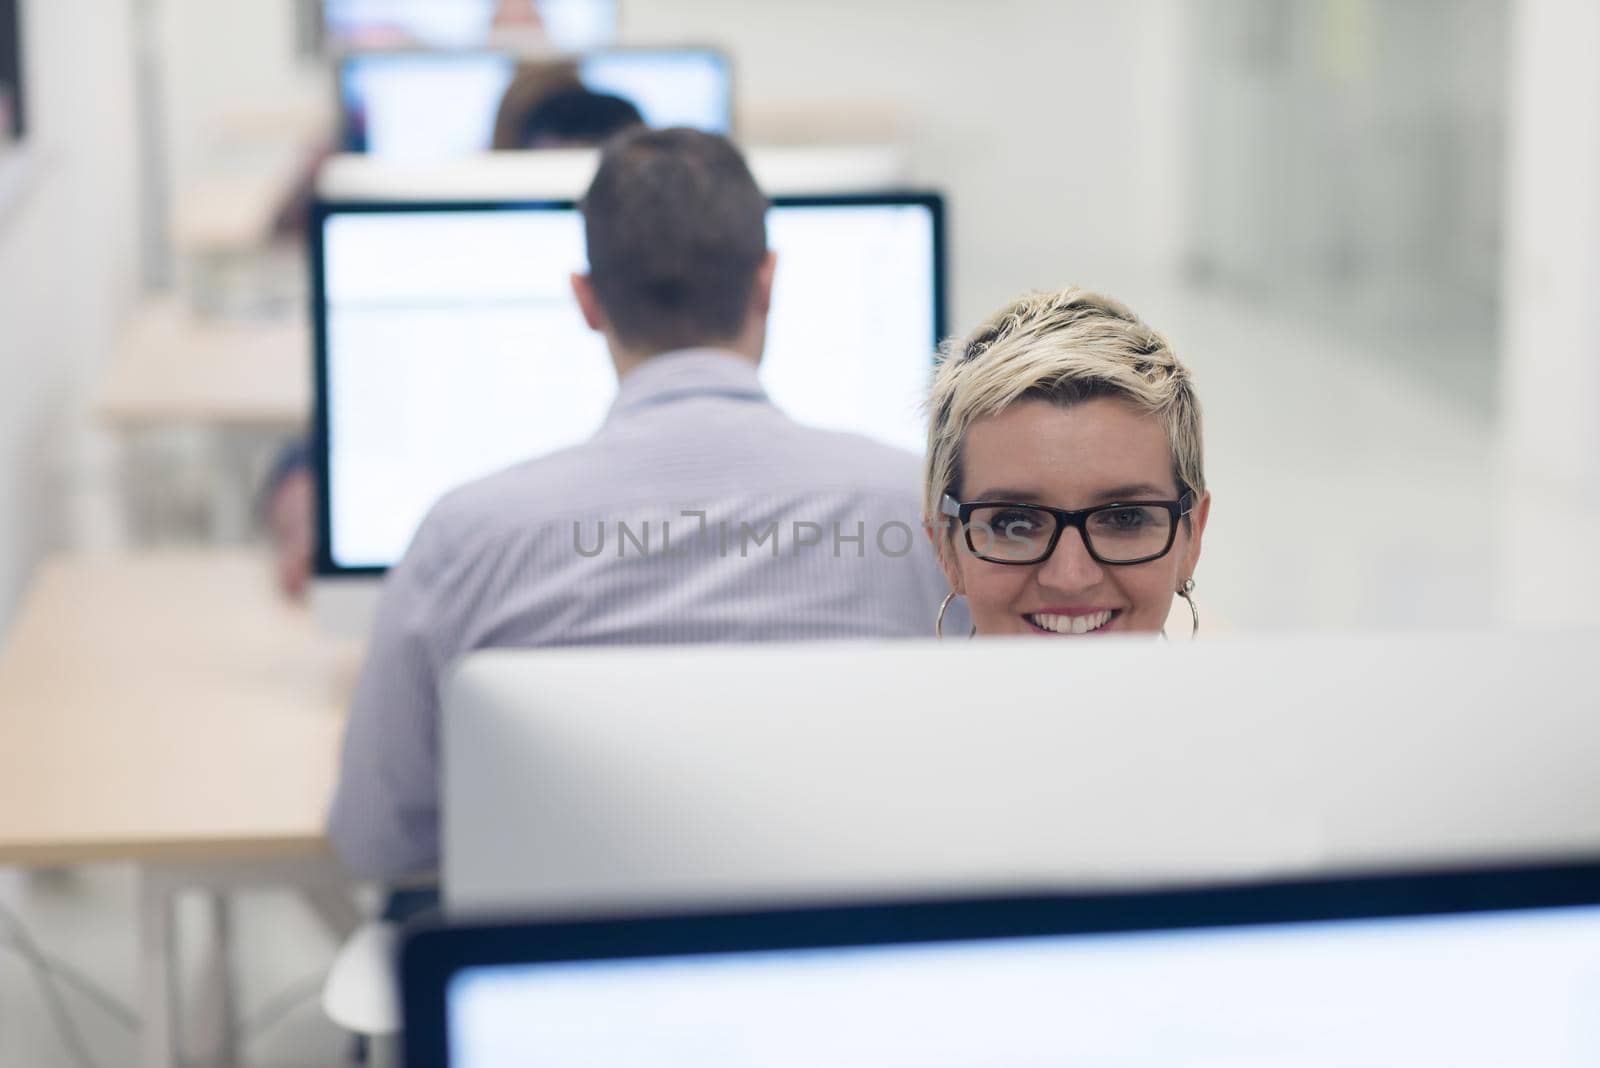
<point>1064,486</point>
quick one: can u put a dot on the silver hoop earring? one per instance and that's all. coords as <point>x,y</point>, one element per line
<point>938,622</point>
<point>1186,591</point>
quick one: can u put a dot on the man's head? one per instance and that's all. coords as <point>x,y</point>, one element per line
<point>577,118</point>
<point>677,242</point>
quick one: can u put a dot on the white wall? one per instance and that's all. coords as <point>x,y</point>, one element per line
<point>1550,374</point>
<point>1052,124</point>
<point>1347,158</point>
<point>231,81</point>
<point>1552,278</point>
<point>67,266</point>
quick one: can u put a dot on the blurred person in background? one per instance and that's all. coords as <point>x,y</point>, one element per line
<point>288,509</point>
<point>1064,486</point>
<point>547,106</point>
<point>517,17</point>
<point>532,83</point>
<point>576,118</point>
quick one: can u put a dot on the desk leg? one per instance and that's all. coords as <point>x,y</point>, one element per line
<point>232,490</point>
<point>159,966</point>
<point>317,878</point>
<point>335,907</point>
<point>217,1010</point>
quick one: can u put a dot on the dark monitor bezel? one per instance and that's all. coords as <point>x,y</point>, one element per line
<point>14,69</point>
<point>432,956</point>
<point>348,142</point>
<point>322,210</point>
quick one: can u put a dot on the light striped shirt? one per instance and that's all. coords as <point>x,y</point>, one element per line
<point>698,513</point>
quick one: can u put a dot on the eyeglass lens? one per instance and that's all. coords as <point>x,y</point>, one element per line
<point>1019,534</point>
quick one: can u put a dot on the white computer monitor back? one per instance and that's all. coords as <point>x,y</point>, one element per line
<point>605,779</point>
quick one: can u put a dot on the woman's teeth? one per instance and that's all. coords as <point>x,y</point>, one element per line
<point>1071,624</point>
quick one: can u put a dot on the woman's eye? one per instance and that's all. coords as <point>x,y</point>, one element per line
<point>1017,524</point>
<point>1121,519</point>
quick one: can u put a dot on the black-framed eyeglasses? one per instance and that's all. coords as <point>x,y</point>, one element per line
<point>1128,532</point>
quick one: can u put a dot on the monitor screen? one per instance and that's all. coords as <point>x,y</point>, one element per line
<point>420,106</point>
<point>670,86</point>
<point>1470,990</point>
<point>569,25</point>
<point>450,345</point>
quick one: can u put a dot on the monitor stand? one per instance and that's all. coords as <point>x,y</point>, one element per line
<point>345,606</point>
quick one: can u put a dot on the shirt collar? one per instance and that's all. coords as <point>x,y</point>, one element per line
<point>669,376</point>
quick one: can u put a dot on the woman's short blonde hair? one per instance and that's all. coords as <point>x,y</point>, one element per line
<point>1065,347</point>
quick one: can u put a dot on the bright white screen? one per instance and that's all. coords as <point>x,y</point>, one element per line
<point>422,106</point>
<point>418,106</point>
<point>1468,992</point>
<point>570,25</point>
<point>455,349</point>
<point>670,88</point>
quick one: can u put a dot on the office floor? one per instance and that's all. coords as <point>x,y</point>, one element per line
<point>86,919</point>
<point>1356,487</point>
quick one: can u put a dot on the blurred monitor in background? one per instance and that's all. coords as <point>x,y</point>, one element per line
<point>568,25</point>
<point>410,106</point>
<point>672,86</point>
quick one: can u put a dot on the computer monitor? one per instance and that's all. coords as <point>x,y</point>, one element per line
<point>568,25</point>
<point>410,106</point>
<point>422,106</point>
<point>604,779</point>
<point>1472,969</point>
<point>669,86</point>
<point>449,345</point>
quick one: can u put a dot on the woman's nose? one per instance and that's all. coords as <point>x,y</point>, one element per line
<point>1070,568</point>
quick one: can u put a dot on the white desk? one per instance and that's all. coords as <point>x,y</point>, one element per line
<point>564,174</point>
<point>172,711</point>
<point>244,385</point>
<point>171,366</point>
<point>231,211</point>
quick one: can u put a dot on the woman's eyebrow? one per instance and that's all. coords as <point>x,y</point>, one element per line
<point>1002,494</point>
<point>1134,491</point>
<point>1142,491</point>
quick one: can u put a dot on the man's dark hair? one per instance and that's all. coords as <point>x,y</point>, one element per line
<point>676,230</point>
<point>577,117</point>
